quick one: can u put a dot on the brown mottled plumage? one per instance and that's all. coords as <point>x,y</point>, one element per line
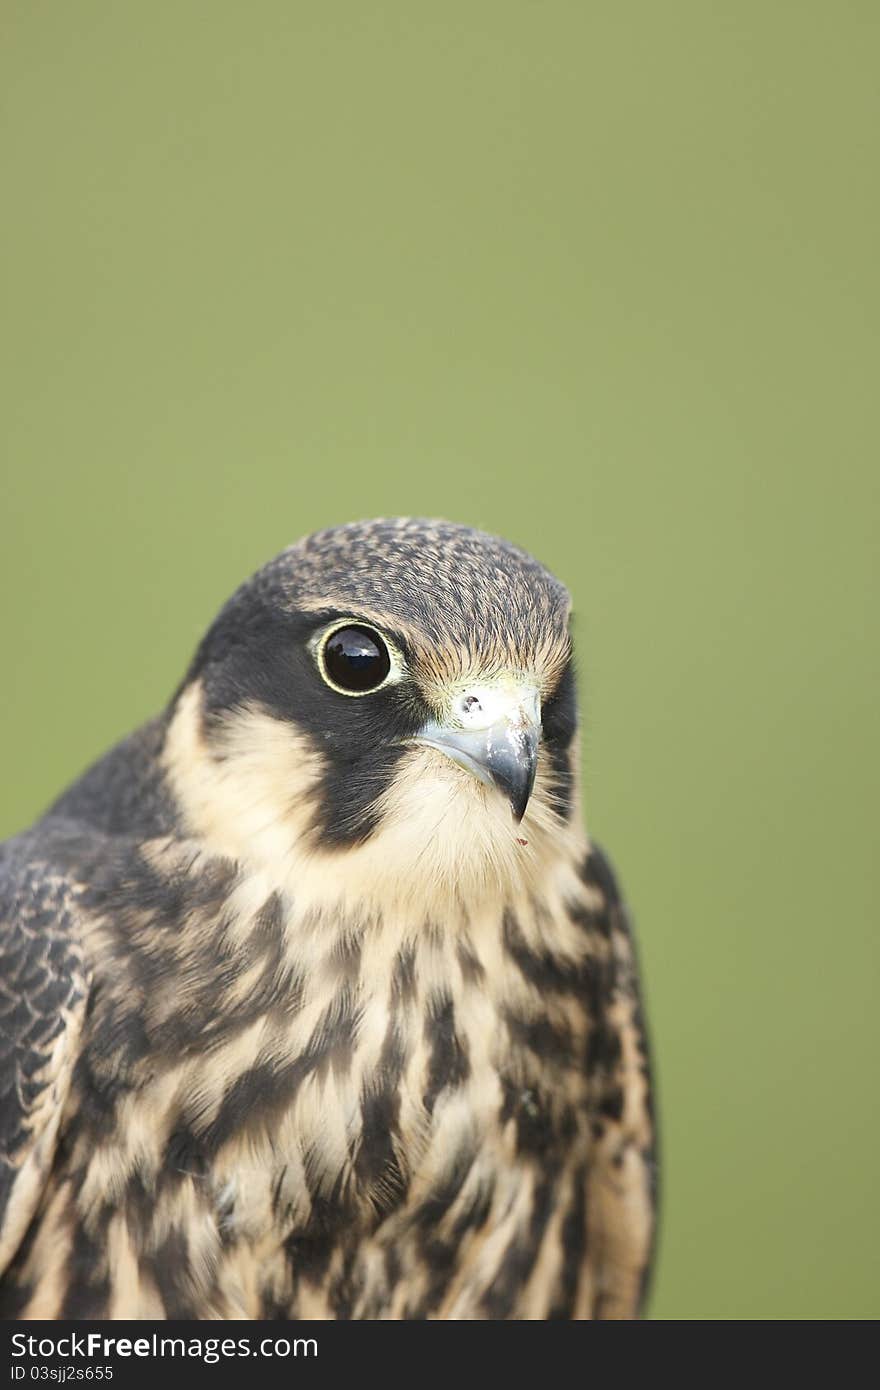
<point>296,1020</point>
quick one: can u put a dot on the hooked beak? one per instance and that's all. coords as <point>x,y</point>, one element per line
<point>493,731</point>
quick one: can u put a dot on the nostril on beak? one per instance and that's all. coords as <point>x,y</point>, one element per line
<point>493,731</point>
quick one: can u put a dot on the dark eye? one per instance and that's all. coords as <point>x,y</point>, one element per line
<point>355,659</point>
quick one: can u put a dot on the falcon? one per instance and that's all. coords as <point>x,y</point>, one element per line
<point>316,1000</point>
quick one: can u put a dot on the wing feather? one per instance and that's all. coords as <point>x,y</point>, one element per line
<point>43,992</point>
<point>622,1195</point>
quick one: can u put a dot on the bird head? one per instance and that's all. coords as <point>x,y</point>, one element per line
<point>397,696</point>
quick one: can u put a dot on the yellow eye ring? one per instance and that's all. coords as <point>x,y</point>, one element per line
<point>354,658</point>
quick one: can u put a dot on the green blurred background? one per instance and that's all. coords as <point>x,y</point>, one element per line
<point>600,277</point>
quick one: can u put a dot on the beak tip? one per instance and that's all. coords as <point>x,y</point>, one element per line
<point>517,780</point>
<point>504,754</point>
